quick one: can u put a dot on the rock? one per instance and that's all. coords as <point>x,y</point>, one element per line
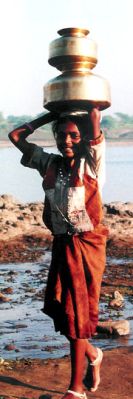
<point>10,347</point>
<point>18,219</point>
<point>12,273</point>
<point>110,327</point>
<point>117,301</point>
<point>8,290</point>
<point>3,298</point>
<point>118,295</point>
<point>7,201</point>
<point>119,208</point>
<point>19,326</point>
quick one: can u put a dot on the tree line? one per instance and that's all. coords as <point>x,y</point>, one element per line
<point>12,121</point>
<point>114,126</point>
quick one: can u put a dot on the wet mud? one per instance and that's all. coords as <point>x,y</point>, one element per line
<point>25,253</point>
<point>24,330</point>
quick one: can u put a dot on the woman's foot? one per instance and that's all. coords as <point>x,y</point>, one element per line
<point>95,368</point>
<point>92,377</point>
<point>74,394</point>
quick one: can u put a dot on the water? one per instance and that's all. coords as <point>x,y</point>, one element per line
<point>22,323</point>
<point>26,184</point>
<point>119,174</point>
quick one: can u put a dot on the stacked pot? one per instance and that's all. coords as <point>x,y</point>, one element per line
<point>77,87</point>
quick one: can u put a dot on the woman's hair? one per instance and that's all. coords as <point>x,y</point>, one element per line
<point>82,122</point>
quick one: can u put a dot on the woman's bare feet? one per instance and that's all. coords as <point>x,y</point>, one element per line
<point>73,395</point>
<point>95,367</point>
<point>92,378</point>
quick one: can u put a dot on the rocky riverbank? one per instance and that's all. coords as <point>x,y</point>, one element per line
<point>22,228</point>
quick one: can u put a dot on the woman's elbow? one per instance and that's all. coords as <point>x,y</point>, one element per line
<point>13,136</point>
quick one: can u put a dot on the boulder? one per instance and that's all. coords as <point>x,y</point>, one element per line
<point>3,298</point>
<point>117,300</point>
<point>111,327</point>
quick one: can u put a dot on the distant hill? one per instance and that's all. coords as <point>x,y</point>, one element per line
<point>116,128</point>
<point>127,136</point>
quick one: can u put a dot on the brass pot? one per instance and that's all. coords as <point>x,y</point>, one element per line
<point>73,50</point>
<point>77,87</point>
<point>76,90</point>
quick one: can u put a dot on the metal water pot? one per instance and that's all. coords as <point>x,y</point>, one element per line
<point>77,87</point>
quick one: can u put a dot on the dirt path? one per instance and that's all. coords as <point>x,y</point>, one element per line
<point>48,379</point>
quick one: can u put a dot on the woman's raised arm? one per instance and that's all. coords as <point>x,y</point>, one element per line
<point>19,135</point>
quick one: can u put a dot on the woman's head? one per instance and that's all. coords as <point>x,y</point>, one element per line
<point>68,132</point>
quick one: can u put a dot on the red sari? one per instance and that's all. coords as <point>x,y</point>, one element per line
<point>74,282</point>
<point>78,254</point>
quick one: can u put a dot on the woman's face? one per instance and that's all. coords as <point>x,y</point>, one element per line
<point>68,139</point>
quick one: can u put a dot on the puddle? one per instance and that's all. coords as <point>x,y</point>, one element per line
<point>30,331</point>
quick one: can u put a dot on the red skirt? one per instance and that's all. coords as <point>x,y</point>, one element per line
<point>74,282</point>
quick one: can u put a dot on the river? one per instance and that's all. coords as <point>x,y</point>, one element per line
<point>26,185</point>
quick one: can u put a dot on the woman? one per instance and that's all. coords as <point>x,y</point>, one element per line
<point>72,183</point>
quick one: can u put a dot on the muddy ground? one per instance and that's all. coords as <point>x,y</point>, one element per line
<point>48,379</point>
<point>39,379</point>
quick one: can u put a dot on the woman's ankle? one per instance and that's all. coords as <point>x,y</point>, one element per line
<point>76,387</point>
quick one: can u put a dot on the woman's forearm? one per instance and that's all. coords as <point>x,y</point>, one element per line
<point>43,120</point>
<point>95,123</point>
<point>19,135</point>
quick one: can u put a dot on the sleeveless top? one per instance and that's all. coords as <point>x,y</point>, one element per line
<point>72,200</point>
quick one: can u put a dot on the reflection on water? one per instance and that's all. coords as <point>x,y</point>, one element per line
<point>26,185</point>
<point>23,324</point>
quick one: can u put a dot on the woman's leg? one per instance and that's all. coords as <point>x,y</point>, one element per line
<point>79,349</point>
<point>77,353</point>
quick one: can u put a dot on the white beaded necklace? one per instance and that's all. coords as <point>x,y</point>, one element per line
<point>64,179</point>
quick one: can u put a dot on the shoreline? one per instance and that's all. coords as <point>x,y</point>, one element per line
<point>24,237</point>
<point>7,143</point>
<point>22,226</point>
<point>51,143</point>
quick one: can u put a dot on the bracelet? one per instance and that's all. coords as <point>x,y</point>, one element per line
<point>29,127</point>
<point>86,138</point>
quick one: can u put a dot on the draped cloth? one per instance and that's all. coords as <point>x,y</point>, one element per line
<point>73,213</point>
<point>74,282</point>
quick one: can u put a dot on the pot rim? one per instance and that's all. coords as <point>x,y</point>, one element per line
<point>73,32</point>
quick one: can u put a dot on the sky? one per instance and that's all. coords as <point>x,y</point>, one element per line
<point>28,26</point>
